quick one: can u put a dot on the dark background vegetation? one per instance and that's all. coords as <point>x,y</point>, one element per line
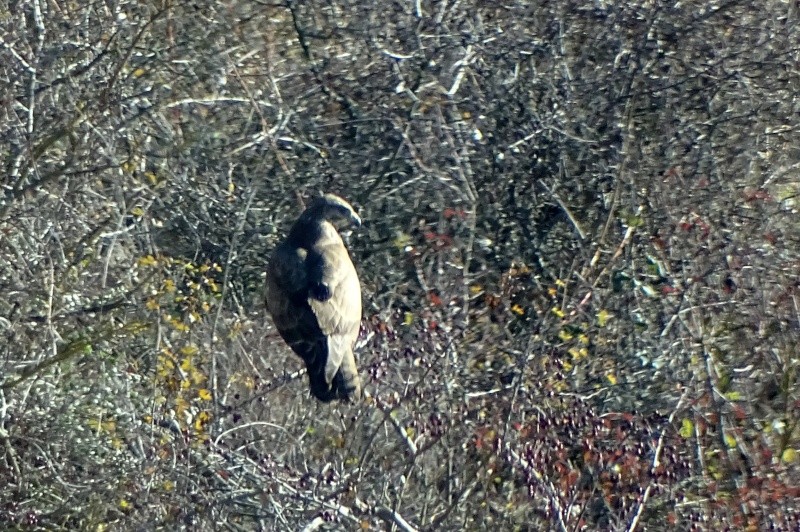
<point>580,263</point>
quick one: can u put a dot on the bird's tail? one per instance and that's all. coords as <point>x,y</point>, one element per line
<point>344,384</point>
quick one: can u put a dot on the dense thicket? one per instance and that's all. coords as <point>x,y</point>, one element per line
<point>580,262</point>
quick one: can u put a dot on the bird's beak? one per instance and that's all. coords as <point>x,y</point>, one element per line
<point>355,220</point>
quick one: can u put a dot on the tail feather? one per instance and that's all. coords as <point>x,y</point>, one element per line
<point>345,383</point>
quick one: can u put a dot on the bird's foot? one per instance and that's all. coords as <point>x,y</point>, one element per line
<point>320,292</point>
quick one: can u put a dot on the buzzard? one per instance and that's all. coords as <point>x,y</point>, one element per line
<point>314,297</point>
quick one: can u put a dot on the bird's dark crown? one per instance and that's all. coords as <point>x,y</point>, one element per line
<point>325,208</point>
<point>332,208</point>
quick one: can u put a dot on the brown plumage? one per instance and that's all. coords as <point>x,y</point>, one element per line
<point>314,297</point>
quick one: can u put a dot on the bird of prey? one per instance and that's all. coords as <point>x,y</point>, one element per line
<point>314,297</point>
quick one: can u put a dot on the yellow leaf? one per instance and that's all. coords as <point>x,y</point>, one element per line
<point>123,504</point>
<point>560,283</point>
<point>137,211</point>
<point>578,354</point>
<point>165,366</point>
<point>128,166</point>
<point>180,406</point>
<point>789,456</point>
<point>567,366</point>
<point>231,187</point>
<point>138,73</point>
<point>198,377</point>
<point>153,178</point>
<point>602,317</point>
<point>475,289</point>
<point>408,318</point>
<point>151,304</point>
<point>189,350</point>
<point>410,432</point>
<point>611,378</point>
<point>168,485</point>
<point>730,441</point>
<point>401,240</point>
<point>169,286</point>
<point>204,394</point>
<point>687,428</point>
<point>186,363</point>
<point>564,335</point>
<point>552,292</point>
<point>582,338</point>
<point>201,420</point>
<point>149,260</point>
<point>558,312</point>
<point>185,384</point>
<point>518,310</point>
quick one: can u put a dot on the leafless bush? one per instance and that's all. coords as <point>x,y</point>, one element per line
<point>580,262</point>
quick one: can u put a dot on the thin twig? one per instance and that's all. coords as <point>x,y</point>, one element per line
<point>394,518</point>
<point>567,211</point>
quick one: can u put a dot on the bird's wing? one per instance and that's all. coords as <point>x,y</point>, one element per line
<point>286,283</point>
<point>287,302</point>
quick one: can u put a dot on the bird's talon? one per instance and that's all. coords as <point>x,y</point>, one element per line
<point>320,292</point>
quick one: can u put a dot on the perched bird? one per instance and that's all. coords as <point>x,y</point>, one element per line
<point>314,297</point>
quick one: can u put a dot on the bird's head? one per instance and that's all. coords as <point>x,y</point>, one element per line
<point>334,209</point>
